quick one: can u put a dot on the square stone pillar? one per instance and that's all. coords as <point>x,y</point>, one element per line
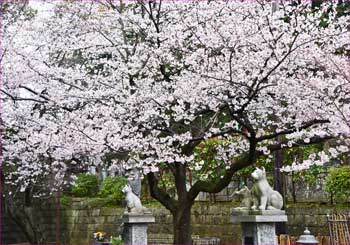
<point>135,228</point>
<point>258,227</point>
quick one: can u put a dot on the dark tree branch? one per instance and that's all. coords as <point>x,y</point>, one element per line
<point>222,133</point>
<point>159,194</point>
<point>15,98</point>
<point>298,143</point>
<point>292,129</point>
<point>219,184</point>
<point>243,161</point>
<point>180,182</point>
<point>34,92</point>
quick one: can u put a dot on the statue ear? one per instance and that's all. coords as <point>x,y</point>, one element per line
<point>263,169</point>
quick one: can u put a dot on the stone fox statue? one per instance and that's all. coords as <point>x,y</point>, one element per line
<point>264,197</point>
<point>133,203</point>
<point>245,193</point>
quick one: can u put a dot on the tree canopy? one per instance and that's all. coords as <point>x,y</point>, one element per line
<point>157,79</point>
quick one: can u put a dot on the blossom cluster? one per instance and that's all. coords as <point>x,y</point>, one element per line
<point>89,80</point>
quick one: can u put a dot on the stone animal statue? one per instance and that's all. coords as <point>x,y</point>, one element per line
<point>133,203</point>
<point>246,202</point>
<point>264,197</point>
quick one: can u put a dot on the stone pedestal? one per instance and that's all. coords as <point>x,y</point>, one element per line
<point>258,227</point>
<point>135,228</point>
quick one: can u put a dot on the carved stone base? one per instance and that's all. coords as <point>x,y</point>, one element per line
<point>135,228</point>
<point>258,227</point>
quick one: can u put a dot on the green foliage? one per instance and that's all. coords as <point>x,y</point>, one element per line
<point>111,188</point>
<point>245,172</point>
<point>152,203</point>
<point>167,182</point>
<point>206,164</point>
<point>343,9</point>
<point>14,10</point>
<point>338,182</point>
<point>98,202</point>
<point>116,241</point>
<point>310,176</point>
<point>65,201</point>
<point>86,186</point>
<point>300,153</point>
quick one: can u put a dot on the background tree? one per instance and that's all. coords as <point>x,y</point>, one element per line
<point>159,79</point>
<point>15,201</point>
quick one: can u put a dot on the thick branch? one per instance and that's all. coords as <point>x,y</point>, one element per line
<point>221,133</point>
<point>160,194</point>
<point>245,160</point>
<point>219,184</point>
<point>180,182</point>
<point>292,129</point>
<point>15,98</point>
<point>298,143</point>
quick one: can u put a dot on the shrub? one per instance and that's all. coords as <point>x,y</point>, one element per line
<point>111,188</point>
<point>338,182</point>
<point>116,241</point>
<point>65,201</point>
<point>86,186</point>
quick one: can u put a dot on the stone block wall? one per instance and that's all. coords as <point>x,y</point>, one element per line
<point>313,216</point>
<point>209,220</point>
<point>83,221</point>
<point>80,220</point>
<point>10,232</point>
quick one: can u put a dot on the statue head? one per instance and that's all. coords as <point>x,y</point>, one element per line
<point>243,192</point>
<point>259,173</point>
<point>126,188</point>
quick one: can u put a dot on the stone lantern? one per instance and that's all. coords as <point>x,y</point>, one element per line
<point>307,238</point>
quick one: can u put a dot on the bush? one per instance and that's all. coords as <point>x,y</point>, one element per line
<point>111,188</point>
<point>86,186</point>
<point>338,182</point>
<point>65,201</point>
<point>116,241</point>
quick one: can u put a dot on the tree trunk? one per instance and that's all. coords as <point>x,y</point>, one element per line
<point>182,226</point>
<point>2,204</point>
<point>58,216</point>
<point>293,189</point>
<point>27,216</point>
<point>279,185</point>
<point>179,207</point>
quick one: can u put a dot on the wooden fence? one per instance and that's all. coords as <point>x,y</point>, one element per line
<point>291,240</point>
<point>339,228</point>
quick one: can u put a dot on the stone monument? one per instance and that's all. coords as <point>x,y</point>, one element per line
<point>134,177</point>
<point>260,210</point>
<point>136,219</point>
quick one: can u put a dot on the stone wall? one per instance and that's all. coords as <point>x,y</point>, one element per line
<point>44,220</point>
<point>10,231</point>
<point>209,220</point>
<point>80,220</point>
<point>83,221</point>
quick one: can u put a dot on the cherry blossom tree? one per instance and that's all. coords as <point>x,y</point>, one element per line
<point>157,79</point>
